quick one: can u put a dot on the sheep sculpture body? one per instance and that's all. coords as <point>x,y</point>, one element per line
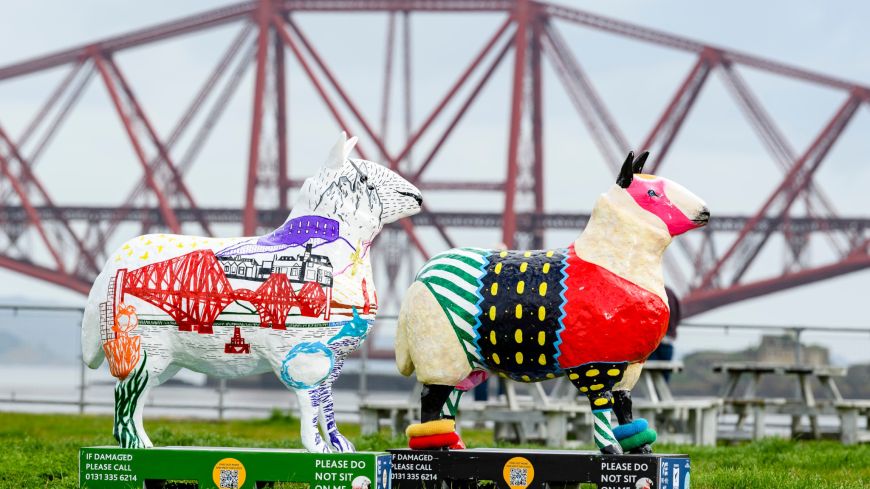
<point>295,302</point>
<point>593,311</point>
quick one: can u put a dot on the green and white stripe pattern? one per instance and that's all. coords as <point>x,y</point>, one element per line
<point>603,433</point>
<point>454,278</point>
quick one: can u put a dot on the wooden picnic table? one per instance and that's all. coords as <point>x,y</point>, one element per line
<point>653,380</point>
<point>680,420</point>
<point>805,405</point>
<point>528,412</point>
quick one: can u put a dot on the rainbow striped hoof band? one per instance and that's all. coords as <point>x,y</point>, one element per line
<point>624,431</point>
<point>434,442</point>
<point>440,433</point>
<point>645,437</point>
<point>635,435</point>
<point>436,427</point>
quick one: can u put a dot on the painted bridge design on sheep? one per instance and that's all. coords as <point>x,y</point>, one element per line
<point>193,289</point>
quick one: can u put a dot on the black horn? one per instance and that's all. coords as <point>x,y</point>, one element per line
<point>626,173</point>
<point>638,163</point>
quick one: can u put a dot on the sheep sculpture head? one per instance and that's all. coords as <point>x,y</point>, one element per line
<point>678,209</point>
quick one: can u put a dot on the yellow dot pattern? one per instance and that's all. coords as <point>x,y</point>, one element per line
<point>520,309</point>
<point>597,380</point>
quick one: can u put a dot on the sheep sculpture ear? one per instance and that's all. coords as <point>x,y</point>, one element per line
<point>638,163</point>
<point>340,151</point>
<point>626,173</point>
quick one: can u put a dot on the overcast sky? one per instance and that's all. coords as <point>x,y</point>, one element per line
<point>717,154</point>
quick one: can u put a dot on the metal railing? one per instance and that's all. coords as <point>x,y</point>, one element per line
<point>82,402</point>
<point>364,355</point>
<point>795,332</point>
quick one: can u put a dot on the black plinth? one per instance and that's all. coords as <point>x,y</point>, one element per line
<point>535,469</point>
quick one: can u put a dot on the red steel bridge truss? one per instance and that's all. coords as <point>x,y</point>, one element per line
<point>71,240</point>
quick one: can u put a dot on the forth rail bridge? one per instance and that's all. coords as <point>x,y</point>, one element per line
<point>66,244</point>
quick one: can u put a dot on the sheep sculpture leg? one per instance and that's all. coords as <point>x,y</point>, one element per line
<point>309,411</point>
<point>130,395</point>
<point>432,401</point>
<point>637,436</point>
<point>435,429</point>
<point>337,441</point>
<point>596,381</point>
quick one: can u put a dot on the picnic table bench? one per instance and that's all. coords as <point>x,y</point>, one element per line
<point>524,423</point>
<point>806,403</point>
<point>691,421</point>
<point>555,417</point>
<point>653,379</point>
<point>850,410</point>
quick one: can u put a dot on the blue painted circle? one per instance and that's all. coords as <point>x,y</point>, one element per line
<point>307,348</point>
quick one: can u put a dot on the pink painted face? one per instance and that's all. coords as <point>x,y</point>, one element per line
<point>652,194</point>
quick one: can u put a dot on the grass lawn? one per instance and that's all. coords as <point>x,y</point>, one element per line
<point>41,451</point>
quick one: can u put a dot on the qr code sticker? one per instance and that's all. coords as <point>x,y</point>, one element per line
<point>519,476</point>
<point>229,479</point>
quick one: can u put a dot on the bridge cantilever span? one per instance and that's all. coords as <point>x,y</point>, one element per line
<point>271,218</point>
<point>64,244</point>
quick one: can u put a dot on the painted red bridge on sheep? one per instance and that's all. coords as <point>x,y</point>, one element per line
<point>194,290</point>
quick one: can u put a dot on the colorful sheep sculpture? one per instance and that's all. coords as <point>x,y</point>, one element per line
<point>295,302</point>
<point>593,311</point>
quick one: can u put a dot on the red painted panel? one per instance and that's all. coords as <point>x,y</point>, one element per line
<point>607,318</point>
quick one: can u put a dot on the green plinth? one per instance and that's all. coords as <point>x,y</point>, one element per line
<point>231,468</point>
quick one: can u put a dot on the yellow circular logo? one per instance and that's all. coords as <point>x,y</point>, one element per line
<point>518,473</point>
<point>229,473</point>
